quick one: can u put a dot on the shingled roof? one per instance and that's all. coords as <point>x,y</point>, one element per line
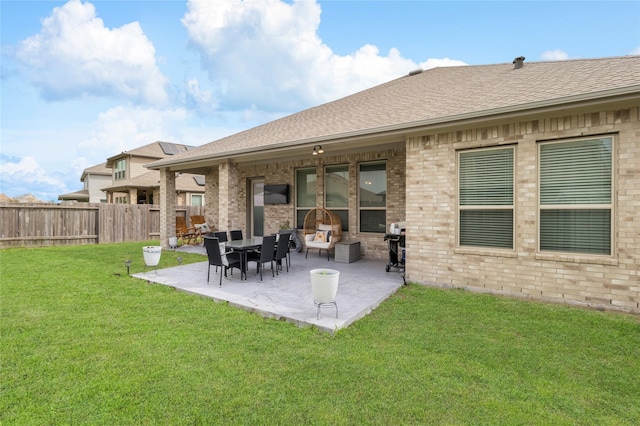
<point>99,169</point>
<point>153,151</point>
<point>432,97</point>
<point>185,182</point>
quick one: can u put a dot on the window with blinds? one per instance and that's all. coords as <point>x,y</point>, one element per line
<point>120,169</point>
<point>306,185</point>
<point>576,196</point>
<point>372,197</point>
<point>337,192</point>
<point>486,213</point>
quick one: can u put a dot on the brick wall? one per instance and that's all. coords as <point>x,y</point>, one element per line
<point>211,196</point>
<point>167,206</point>
<point>432,252</point>
<point>283,172</point>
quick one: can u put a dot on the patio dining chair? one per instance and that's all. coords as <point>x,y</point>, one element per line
<point>264,255</point>
<point>221,235</point>
<point>236,234</point>
<point>282,249</point>
<point>219,257</point>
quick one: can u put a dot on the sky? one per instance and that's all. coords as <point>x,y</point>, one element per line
<point>81,81</point>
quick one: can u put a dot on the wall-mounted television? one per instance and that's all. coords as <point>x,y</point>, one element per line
<point>276,194</point>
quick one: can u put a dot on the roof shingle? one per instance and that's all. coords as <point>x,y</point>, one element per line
<point>435,95</point>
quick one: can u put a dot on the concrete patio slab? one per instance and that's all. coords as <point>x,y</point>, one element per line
<point>363,286</point>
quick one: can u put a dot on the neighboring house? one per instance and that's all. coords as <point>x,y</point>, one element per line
<point>94,179</point>
<point>515,178</point>
<point>132,183</point>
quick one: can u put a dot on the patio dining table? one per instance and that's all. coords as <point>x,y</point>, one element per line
<point>243,246</point>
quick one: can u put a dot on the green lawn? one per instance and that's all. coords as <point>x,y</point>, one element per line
<point>82,343</point>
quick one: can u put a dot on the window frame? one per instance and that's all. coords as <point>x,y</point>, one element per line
<point>201,196</point>
<point>342,209</point>
<point>298,208</point>
<point>365,209</point>
<point>120,169</point>
<point>486,207</point>
<point>582,207</point>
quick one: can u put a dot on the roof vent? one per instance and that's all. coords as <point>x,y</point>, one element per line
<point>518,62</point>
<point>414,72</point>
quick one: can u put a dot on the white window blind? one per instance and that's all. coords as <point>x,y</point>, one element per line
<point>337,192</point>
<point>486,198</point>
<point>372,195</point>
<point>306,185</point>
<point>575,196</point>
<point>120,169</point>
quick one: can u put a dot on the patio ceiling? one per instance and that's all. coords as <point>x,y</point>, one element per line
<point>288,153</point>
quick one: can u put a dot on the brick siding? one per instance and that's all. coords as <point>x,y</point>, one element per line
<point>283,172</point>
<point>432,252</point>
<point>422,190</point>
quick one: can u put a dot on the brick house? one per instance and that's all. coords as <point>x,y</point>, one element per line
<point>131,183</point>
<point>518,178</point>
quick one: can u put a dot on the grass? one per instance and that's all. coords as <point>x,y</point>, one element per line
<point>83,343</point>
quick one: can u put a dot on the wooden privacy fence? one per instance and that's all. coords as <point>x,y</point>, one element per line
<point>37,224</point>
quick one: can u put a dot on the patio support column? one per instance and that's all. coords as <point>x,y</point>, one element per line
<point>167,206</point>
<point>211,202</point>
<point>228,206</point>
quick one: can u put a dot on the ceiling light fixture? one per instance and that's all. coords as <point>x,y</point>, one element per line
<point>317,150</point>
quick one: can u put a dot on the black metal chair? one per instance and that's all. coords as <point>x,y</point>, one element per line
<point>264,255</point>
<point>221,235</point>
<point>282,250</point>
<point>236,234</point>
<point>218,258</point>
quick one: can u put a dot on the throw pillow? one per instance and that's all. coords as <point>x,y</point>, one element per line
<point>321,237</point>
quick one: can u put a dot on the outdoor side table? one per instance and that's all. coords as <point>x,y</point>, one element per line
<point>347,251</point>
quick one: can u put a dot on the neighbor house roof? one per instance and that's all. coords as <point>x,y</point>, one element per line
<point>154,150</point>
<point>434,97</point>
<point>78,195</point>
<point>185,182</point>
<point>99,169</point>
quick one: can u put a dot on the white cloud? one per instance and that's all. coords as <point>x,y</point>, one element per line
<point>267,55</point>
<point>46,167</point>
<point>443,62</point>
<point>197,98</point>
<point>126,127</point>
<point>75,55</point>
<point>635,51</point>
<point>24,168</point>
<point>25,175</point>
<point>554,55</point>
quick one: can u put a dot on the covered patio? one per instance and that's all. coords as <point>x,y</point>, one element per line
<point>364,284</point>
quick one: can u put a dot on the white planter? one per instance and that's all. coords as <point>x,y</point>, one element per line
<point>151,255</point>
<point>324,283</point>
<point>173,242</point>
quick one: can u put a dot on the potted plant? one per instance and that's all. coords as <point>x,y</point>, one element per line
<point>151,255</point>
<point>324,284</point>
<point>285,225</point>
